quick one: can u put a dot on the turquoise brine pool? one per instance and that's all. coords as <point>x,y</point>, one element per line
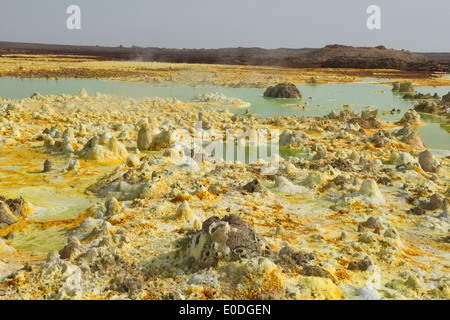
<point>318,100</point>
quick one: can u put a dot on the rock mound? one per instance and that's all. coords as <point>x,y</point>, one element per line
<point>403,87</point>
<point>283,90</point>
<point>426,161</point>
<point>13,210</point>
<point>226,239</point>
<point>411,117</point>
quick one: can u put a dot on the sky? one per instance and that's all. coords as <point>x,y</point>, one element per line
<point>415,25</point>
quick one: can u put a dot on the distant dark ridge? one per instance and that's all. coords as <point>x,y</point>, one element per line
<point>331,56</point>
<point>442,57</point>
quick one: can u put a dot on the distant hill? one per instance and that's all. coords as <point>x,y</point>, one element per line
<point>331,56</point>
<point>338,56</point>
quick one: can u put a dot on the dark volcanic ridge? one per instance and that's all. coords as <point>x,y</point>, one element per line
<point>331,56</point>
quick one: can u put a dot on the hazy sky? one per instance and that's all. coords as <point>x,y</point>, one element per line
<point>415,25</point>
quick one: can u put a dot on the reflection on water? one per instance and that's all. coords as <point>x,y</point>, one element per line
<point>435,132</point>
<point>249,154</point>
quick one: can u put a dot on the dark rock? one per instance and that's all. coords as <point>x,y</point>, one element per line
<point>16,206</point>
<point>418,211</point>
<point>410,136</point>
<point>283,90</point>
<point>227,239</point>
<point>234,117</point>
<point>155,176</point>
<point>362,265</point>
<point>300,258</point>
<point>330,185</point>
<point>339,180</point>
<point>367,122</point>
<point>253,186</point>
<point>131,284</point>
<point>426,161</point>
<point>365,62</point>
<point>342,164</point>
<point>312,80</point>
<point>361,228</point>
<point>446,98</point>
<point>435,203</point>
<point>213,189</point>
<point>445,207</point>
<point>411,117</point>
<point>379,139</point>
<point>243,240</point>
<point>173,296</point>
<point>372,223</point>
<point>70,250</point>
<point>208,222</point>
<point>107,262</point>
<point>9,236</point>
<point>405,87</point>
<point>106,242</point>
<point>316,271</point>
<point>320,153</point>
<point>384,181</point>
<point>421,96</point>
<point>89,255</point>
<point>6,218</point>
<point>427,107</point>
<point>369,167</point>
<point>47,166</point>
<point>28,267</point>
<point>362,132</point>
<point>206,125</point>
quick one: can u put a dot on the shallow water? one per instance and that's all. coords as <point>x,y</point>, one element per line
<point>50,202</point>
<point>318,100</point>
<point>40,242</point>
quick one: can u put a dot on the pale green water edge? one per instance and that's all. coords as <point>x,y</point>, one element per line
<point>318,100</point>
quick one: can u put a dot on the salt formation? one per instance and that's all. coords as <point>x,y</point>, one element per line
<point>226,239</point>
<point>145,135</point>
<point>411,117</point>
<point>370,193</point>
<point>219,99</point>
<point>110,150</point>
<point>184,212</point>
<point>284,185</point>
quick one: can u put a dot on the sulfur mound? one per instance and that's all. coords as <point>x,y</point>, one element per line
<point>411,117</point>
<point>144,139</point>
<point>369,191</point>
<point>13,210</point>
<point>111,150</point>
